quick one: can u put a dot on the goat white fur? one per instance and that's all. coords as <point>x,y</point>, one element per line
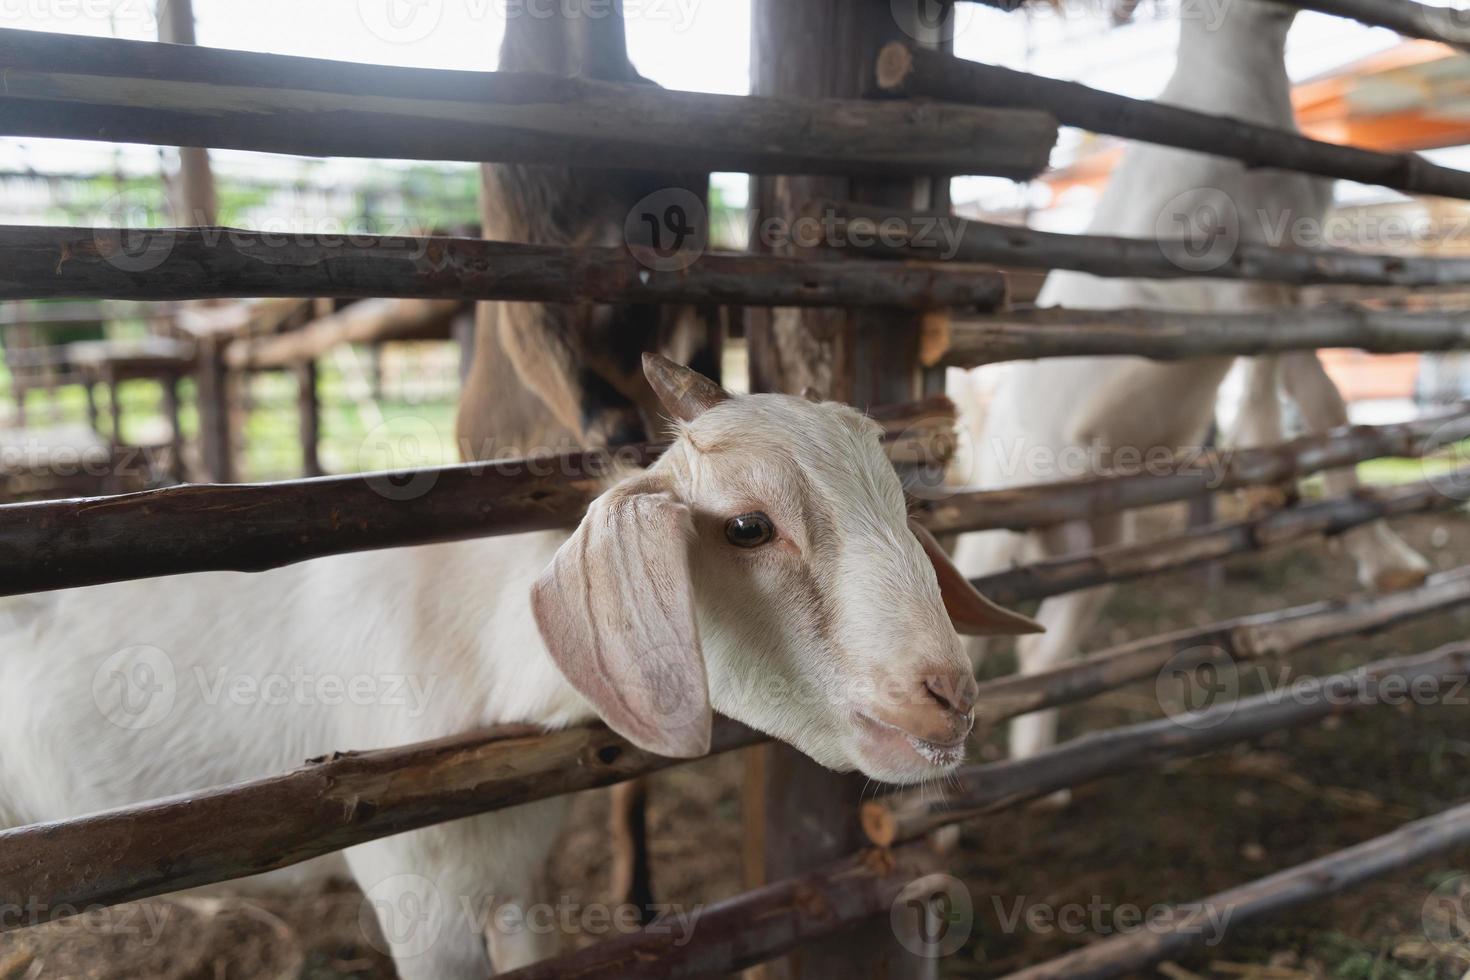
<point>1236,68</point>
<point>648,615</point>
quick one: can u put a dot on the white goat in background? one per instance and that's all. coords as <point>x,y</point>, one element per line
<point>767,551</point>
<point>1233,68</point>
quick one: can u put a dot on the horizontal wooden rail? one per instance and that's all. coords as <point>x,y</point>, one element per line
<point>327,805</point>
<point>1170,335</point>
<point>761,924</point>
<point>1185,927</point>
<point>68,543</point>
<point>94,88</point>
<point>1261,636</point>
<point>875,231</point>
<point>203,263</point>
<point>1121,563</point>
<point>1039,505</point>
<point>909,70</point>
<point>754,926</point>
<point>978,790</point>
<point>1408,17</point>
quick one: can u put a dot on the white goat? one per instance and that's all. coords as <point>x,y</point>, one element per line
<point>762,568</point>
<point>1234,68</point>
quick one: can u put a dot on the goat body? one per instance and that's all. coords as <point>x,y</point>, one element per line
<point>1048,409</point>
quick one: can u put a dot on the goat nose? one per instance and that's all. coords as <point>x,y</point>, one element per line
<point>956,691</point>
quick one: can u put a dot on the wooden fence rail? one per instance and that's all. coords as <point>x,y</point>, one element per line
<point>69,543</point>
<point>755,925</point>
<point>95,88</point>
<point>1170,335</point>
<point>873,231</point>
<point>1409,17</point>
<point>979,790</point>
<point>1185,476</point>
<point>206,263</point>
<point>1121,563</point>
<point>905,69</point>
<point>232,832</point>
<point>1184,929</point>
<point>1261,636</point>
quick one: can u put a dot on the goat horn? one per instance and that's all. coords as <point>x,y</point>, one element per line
<point>685,393</point>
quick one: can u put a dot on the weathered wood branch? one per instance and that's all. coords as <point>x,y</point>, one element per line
<point>909,70</point>
<point>365,322</point>
<point>136,92</point>
<point>69,543</point>
<point>1408,17</point>
<point>329,804</point>
<point>1185,927</point>
<point>1164,480</point>
<point>1448,24</point>
<point>204,263</point>
<point>754,926</point>
<point>1262,636</point>
<point>1122,563</point>
<point>1168,335</point>
<point>885,232</point>
<point>1001,785</point>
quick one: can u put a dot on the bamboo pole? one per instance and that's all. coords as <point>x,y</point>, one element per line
<point>1262,636</point>
<point>906,69</point>
<point>888,233</point>
<point>69,543</point>
<point>1165,480</point>
<point>986,789</point>
<point>1185,927</point>
<point>202,263</point>
<point>1169,335</point>
<point>135,92</point>
<point>1122,563</point>
<point>122,855</point>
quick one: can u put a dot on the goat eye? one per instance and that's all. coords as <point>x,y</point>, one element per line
<point>750,530</point>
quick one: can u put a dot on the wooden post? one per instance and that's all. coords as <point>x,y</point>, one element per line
<point>195,204</point>
<point>798,815</point>
<point>309,412</point>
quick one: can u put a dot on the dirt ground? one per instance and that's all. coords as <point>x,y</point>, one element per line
<point>1197,828</point>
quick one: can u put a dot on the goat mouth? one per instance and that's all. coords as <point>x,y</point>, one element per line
<point>940,754</point>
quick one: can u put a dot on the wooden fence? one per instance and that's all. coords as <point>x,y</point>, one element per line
<point>89,88</point>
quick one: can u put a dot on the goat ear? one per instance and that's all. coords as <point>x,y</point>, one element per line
<point>616,611</point>
<point>685,393</point>
<point>971,613</point>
